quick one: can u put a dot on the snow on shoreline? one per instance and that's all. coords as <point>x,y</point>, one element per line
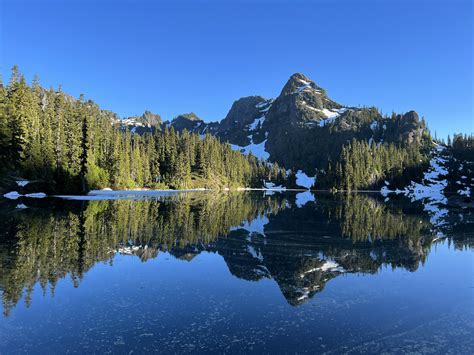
<point>22,183</point>
<point>108,194</point>
<point>304,180</point>
<point>303,198</point>
<point>431,191</point>
<point>13,195</point>
<point>271,186</point>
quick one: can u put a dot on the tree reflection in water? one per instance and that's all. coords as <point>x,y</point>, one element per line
<point>258,236</point>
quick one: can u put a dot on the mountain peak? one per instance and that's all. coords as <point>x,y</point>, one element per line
<point>298,83</point>
<point>300,76</point>
<point>188,116</point>
<point>150,119</point>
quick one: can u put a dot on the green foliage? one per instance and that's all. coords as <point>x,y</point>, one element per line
<point>365,166</point>
<point>54,243</point>
<point>73,145</point>
<point>96,177</point>
<point>462,147</point>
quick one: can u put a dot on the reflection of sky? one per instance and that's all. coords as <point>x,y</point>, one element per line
<point>172,304</point>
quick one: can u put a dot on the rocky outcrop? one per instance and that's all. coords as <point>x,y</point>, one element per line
<point>150,119</point>
<point>301,129</point>
<point>301,102</point>
<point>234,128</point>
<point>188,121</point>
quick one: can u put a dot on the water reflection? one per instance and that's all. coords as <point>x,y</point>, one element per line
<point>300,244</point>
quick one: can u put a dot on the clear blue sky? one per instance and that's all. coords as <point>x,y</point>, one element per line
<point>180,56</point>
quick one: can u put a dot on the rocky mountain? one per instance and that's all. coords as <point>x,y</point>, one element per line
<point>188,121</point>
<point>149,121</point>
<point>192,123</point>
<point>298,256</point>
<point>302,129</point>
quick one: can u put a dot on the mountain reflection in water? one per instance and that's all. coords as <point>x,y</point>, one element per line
<point>301,246</point>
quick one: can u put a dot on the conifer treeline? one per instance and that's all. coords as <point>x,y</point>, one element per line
<point>462,146</point>
<point>73,145</point>
<point>364,166</point>
<point>69,240</point>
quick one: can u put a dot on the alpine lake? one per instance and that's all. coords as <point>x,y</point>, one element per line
<point>235,272</point>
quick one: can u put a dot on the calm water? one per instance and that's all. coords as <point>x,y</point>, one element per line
<point>236,272</point>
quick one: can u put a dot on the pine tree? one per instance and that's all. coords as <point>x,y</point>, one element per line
<point>84,154</point>
<point>74,145</point>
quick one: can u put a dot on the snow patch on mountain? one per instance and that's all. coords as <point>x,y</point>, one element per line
<point>132,122</point>
<point>306,85</point>
<point>331,115</point>
<point>257,150</point>
<point>328,265</point>
<point>258,121</point>
<point>254,253</point>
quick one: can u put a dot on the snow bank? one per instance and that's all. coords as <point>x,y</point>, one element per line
<point>465,192</point>
<point>254,253</point>
<point>431,191</point>
<point>22,183</point>
<point>272,186</point>
<point>36,195</point>
<point>304,180</point>
<point>12,195</point>
<point>257,150</point>
<point>303,198</point>
<point>253,126</point>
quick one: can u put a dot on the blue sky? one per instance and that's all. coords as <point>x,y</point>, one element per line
<point>180,56</point>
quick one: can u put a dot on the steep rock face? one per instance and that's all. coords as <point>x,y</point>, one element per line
<point>188,121</point>
<point>301,102</point>
<point>298,256</point>
<point>409,128</point>
<point>150,119</point>
<point>301,129</point>
<point>306,129</point>
<point>296,119</point>
<point>147,122</point>
<point>235,127</point>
